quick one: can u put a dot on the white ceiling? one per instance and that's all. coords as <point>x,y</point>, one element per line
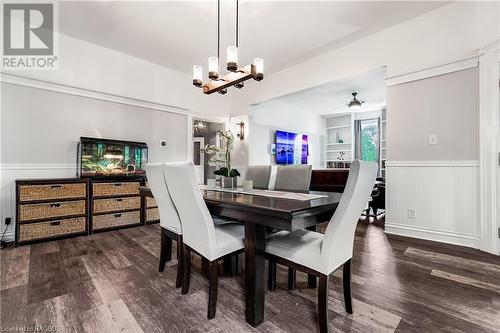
<point>178,34</point>
<point>333,97</point>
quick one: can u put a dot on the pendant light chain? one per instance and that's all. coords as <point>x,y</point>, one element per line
<point>237,23</point>
<point>218,29</point>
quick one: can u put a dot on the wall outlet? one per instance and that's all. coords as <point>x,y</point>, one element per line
<point>498,232</point>
<point>412,213</point>
<point>433,139</point>
<point>8,220</point>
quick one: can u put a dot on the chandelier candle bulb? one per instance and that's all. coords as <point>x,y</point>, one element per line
<point>259,68</point>
<point>232,58</point>
<point>197,75</point>
<point>213,68</point>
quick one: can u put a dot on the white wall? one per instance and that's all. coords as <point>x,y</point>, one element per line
<point>274,115</point>
<point>89,66</point>
<point>444,105</point>
<point>452,32</point>
<point>40,130</point>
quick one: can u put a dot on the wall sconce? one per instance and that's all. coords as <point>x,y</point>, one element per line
<point>240,130</point>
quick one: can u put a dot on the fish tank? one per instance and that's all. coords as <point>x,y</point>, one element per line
<point>116,158</point>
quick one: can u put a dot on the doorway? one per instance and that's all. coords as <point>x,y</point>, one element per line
<point>199,158</point>
<point>204,133</point>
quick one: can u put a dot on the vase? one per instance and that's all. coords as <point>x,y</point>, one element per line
<point>229,182</point>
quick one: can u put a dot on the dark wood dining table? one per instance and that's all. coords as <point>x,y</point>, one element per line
<point>260,213</point>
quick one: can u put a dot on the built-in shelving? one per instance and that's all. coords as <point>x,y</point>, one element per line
<point>339,127</point>
<point>383,141</point>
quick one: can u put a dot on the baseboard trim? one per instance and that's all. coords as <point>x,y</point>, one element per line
<point>432,235</point>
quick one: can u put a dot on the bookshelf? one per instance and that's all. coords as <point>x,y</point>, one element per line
<point>383,141</point>
<point>339,128</point>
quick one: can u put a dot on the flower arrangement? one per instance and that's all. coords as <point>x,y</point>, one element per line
<point>221,156</point>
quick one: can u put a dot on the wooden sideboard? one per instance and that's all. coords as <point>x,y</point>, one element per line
<point>51,208</point>
<point>115,203</point>
<point>329,180</point>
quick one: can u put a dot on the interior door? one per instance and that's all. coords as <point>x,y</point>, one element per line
<point>199,159</point>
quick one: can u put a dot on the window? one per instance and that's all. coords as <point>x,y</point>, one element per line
<point>369,140</point>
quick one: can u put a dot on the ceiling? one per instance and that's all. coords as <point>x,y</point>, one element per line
<point>178,34</point>
<point>333,97</point>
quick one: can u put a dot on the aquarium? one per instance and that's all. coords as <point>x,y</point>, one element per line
<point>103,157</point>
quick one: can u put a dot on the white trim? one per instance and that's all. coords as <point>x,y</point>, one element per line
<point>82,92</point>
<point>489,122</point>
<point>33,166</point>
<point>432,235</point>
<point>425,73</point>
<point>461,164</point>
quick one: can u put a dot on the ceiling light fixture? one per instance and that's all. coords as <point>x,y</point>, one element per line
<point>355,103</point>
<point>236,76</point>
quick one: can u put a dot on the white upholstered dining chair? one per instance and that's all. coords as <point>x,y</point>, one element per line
<point>170,223</point>
<point>320,255</point>
<point>200,235</point>
<point>259,175</point>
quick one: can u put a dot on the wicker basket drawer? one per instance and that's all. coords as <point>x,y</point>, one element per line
<point>116,204</point>
<point>108,189</point>
<point>115,220</point>
<point>51,191</point>
<point>151,202</point>
<point>40,230</point>
<point>152,214</point>
<point>51,209</point>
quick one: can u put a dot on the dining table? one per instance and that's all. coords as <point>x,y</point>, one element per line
<point>261,213</point>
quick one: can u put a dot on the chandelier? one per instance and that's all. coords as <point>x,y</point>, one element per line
<point>236,76</point>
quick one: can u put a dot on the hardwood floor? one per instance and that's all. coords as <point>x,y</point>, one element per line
<point>109,282</point>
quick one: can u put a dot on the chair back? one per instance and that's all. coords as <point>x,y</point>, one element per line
<point>197,224</point>
<point>338,241</point>
<point>294,178</point>
<point>259,175</point>
<point>169,219</point>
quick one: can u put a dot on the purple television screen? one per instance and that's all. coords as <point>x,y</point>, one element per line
<point>291,148</point>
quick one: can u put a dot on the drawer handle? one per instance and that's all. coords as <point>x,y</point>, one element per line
<point>55,186</point>
<point>55,223</point>
<point>118,200</point>
<point>55,205</point>
<point>117,184</point>
<point>118,215</point>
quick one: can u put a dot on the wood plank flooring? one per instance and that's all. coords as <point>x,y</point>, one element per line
<point>109,282</point>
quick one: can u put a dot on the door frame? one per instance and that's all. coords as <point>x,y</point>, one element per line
<point>201,140</point>
<point>489,148</point>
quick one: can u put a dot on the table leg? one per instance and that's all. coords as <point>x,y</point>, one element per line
<point>255,237</point>
<point>311,279</point>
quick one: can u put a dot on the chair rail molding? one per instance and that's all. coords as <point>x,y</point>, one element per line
<point>489,138</point>
<point>424,73</point>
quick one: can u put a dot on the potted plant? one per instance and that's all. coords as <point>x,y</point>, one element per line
<point>221,157</point>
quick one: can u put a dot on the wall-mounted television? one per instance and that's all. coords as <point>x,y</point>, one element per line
<point>104,158</point>
<point>291,148</point>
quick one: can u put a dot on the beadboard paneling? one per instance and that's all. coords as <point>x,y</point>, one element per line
<point>445,195</point>
<point>11,172</point>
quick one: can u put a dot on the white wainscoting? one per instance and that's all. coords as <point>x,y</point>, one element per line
<point>445,195</point>
<point>11,172</point>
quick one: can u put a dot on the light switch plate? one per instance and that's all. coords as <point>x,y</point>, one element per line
<point>433,139</point>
